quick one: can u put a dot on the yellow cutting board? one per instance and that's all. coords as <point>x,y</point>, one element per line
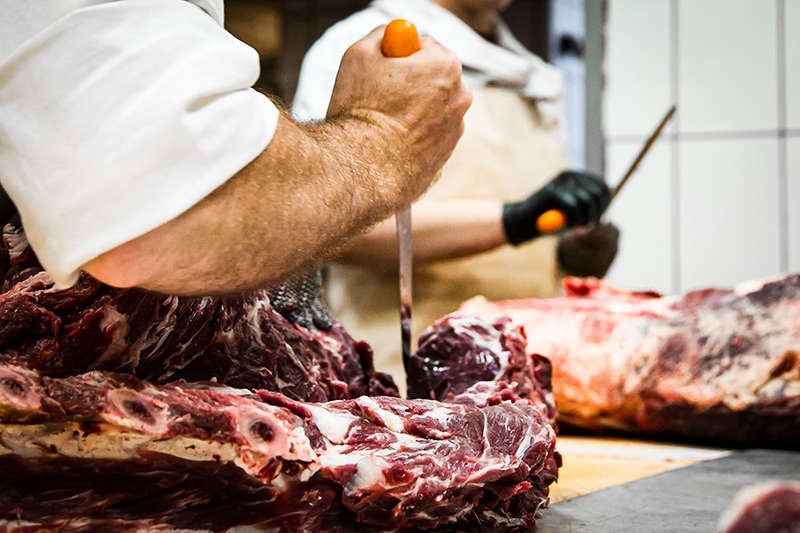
<point>594,463</point>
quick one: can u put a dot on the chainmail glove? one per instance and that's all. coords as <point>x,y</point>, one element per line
<point>299,300</point>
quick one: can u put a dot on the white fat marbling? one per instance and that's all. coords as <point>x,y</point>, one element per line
<point>333,426</point>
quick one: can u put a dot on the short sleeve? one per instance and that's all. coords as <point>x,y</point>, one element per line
<point>120,117</point>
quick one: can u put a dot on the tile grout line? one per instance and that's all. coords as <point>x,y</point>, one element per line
<point>675,152</point>
<point>783,173</point>
<point>711,136</point>
<point>599,121</point>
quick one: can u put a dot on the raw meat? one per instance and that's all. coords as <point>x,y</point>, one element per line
<point>713,364</point>
<point>764,508</point>
<point>457,352</point>
<point>238,341</point>
<point>295,447</point>
<point>108,452</point>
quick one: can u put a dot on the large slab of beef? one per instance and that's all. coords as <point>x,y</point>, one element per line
<point>124,411</point>
<point>713,364</point>
<point>239,341</point>
<point>106,452</point>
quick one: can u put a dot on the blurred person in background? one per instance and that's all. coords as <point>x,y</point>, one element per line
<point>474,232</point>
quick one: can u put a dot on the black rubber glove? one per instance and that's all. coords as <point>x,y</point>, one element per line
<point>589,250</point>
<point>581,196</point>
<point>299,300</point>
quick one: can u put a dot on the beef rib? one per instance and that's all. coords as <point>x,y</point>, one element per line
<point>104,452</point>
<point>124,411</point>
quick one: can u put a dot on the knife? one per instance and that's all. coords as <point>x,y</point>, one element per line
<point>400,39</point>
<point>554,219</point>
<point>646,148</point>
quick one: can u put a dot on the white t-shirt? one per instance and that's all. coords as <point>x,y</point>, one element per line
<point>116,116</point>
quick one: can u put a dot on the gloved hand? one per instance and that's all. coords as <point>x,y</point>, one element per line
<point>588,250</point>
<point>299,300</point>
<point>581,196</point>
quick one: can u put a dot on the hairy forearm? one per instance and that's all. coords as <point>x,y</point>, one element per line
<point>441,231</point>
<point>293,206</point>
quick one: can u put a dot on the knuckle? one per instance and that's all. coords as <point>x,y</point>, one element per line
<point>466,99</point>
<point>350,55</point>
<point>460,130</point>
<point>427,41</point>
<point>356,51</point>
<point>454,68</point>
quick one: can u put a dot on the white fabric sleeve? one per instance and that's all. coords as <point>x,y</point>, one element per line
<point>120,117</point>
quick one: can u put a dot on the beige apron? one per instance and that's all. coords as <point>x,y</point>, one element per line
<point>508,151</point>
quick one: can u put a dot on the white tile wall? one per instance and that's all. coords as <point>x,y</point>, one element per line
<point>793,149</point>
<point>638,53</point>
<point>727,65</point>
<point>643,213</point>
<point>792,25</point>
<point>731,169</point>
<point>729,212</point>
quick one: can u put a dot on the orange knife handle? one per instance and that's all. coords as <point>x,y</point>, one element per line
<point>551,221</point>
<point>400,39</point>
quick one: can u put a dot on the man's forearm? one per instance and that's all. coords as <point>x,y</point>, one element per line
<point>441,231</point>
<point>312,187</point>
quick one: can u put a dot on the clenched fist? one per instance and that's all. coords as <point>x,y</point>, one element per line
<point>417,104</point>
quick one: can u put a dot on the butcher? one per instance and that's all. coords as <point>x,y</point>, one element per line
<point>475,231</point>
<point>135,148</point>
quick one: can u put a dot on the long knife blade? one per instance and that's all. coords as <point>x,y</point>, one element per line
<point>406,266</point>
<point>400,39</point>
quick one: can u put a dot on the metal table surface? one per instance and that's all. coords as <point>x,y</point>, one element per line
<point>687,500</point>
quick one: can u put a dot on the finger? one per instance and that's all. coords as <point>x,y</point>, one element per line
<point>597,207</point>
<point>590,183</point>
<point>426,42</point>
<point>588,207</point>
<point>371,43</point>
<point>570,205</point>
<point>431,50</point>
<point>593,185</point>
<point>564,178</point>
<point>376,34</point>
<point>600,196</point>
<point>605,197</point>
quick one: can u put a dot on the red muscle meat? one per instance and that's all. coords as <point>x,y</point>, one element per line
<point>764,508</point>
<point>713,364</point>
<point>125,411</point>
<point>239,340</point>
<point>108,452</point>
